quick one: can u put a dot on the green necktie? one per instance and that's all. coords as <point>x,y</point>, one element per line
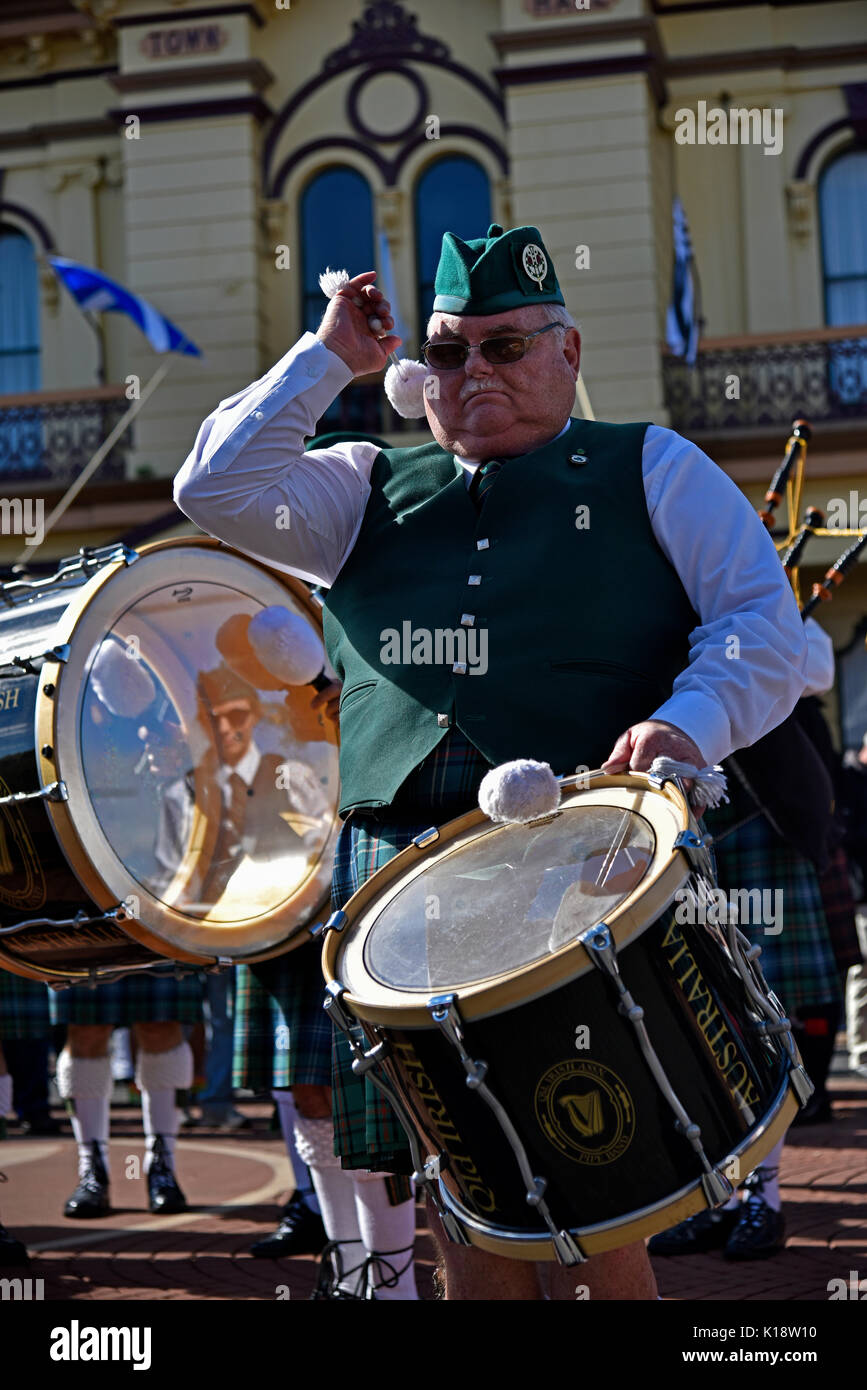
<point>483,480</point>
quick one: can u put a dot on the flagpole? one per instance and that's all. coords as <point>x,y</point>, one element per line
<point>105,448</point>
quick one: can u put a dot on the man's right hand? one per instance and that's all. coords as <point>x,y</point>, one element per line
<point>345,327</point>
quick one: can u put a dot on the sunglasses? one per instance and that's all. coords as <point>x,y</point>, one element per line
<point>235,718</point>
<point>448,356</point>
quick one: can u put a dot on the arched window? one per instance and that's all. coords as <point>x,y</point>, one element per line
<point>19,313</point>
<point>843,216</point>
<point>452,195</point>
<point>336,231</point>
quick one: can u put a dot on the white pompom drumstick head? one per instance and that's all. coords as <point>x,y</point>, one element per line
<point>404,386</point>
<point>286,646</point>
<point>519,791</point>
<point>120,682</point>
<point>330,281</point>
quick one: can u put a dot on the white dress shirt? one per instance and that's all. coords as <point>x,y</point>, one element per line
<point>248,472</point>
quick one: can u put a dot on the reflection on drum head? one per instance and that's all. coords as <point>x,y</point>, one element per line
<point>508,898</point>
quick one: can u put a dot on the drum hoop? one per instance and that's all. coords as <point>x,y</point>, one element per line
<point>496,994</point>
<point>610,1235</point>
<point>163,928</point>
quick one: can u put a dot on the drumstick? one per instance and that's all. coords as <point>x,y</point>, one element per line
<point>608,861</point>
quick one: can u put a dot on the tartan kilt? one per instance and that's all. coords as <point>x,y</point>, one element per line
<point>23,1007</point>
<point>839,904</point>
<point>134,999</point>
<point>282,1032</point>
<point>367,1133</point>
<point>798,963</point>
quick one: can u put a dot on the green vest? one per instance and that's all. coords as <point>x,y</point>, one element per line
<point>571,624</point>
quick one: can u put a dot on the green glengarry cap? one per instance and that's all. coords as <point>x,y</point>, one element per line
<point>504,270</point>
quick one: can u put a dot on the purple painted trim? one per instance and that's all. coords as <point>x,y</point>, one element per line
<point>32,220</point>
<point>316,83</point>
<point>389,168</point>
<point>190,110</point>
<point>354,94</point>
<point>173,16</point>
<point>818,139</point>
<point>47,79</point>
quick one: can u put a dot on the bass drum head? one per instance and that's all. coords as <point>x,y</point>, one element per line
<point>492,912</point>
<point>202,792</point>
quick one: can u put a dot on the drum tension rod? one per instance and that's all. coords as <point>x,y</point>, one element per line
<point>426,1171</point>
<point>81,919</point>
<point>444,1012</point>
<point>53,791</point>
<point>766,1002</point>
<point>32,664</point>
<point>598,943</point>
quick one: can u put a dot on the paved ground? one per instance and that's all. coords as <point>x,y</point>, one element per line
<point>236,1182</point>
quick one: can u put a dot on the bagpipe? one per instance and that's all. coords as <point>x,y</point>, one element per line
<point>783,773</point>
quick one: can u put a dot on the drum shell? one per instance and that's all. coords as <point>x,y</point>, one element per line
<point>637,1159</point>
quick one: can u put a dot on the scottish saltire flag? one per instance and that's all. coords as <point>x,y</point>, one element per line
<point>96,294</point>
<point>681,322</point>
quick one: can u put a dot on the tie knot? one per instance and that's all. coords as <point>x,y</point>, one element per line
<point>483,479</point>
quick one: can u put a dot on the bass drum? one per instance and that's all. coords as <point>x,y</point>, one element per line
<point>579,1052</point>
<point>162,793</point>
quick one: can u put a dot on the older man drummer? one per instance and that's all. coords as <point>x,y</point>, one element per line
<point>631,602</point>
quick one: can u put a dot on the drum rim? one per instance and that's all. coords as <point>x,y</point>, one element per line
<point>204,943</point>
<point>647,1221</point>
<point>495,994</point>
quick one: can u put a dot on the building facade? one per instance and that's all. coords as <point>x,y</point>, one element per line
<point>214,156</point>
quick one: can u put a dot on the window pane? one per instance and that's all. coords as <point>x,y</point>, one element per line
<point>336,231</point>
<point>843,215</point>
<point>19,313</point>
<point>453,195</point>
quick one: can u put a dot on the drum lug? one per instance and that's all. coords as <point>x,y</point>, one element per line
<point>696,848</point>
<point>336,922</point>
<point>427,837</point>
<point>365,1060</point>
<point>567,1249</point>
<point>800,1084</point>
<point>334,1008</point>
<point>52,791</point>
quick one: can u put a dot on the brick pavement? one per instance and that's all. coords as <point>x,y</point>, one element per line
<point>236,1181</point>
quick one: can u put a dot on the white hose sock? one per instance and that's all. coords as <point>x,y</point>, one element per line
<point>86,1083</point>
<point>336,1192</point>
<point>769,1172</point>
<point>389,1237</point>
<point>285,1102</point>
<point>158,1076</point>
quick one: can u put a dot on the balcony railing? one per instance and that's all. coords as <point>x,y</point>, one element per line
<point>46,437</point>
<point>767,379</point>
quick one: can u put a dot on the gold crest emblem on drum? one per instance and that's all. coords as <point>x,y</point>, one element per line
<point>585,1111</point>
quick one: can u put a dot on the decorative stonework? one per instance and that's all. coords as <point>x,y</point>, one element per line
<point>386,30</point>
<point>391,209</point>
<point>800,203</point>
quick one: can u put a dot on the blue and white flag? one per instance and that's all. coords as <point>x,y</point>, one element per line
<point>96,293</point>
<point>681,321</point>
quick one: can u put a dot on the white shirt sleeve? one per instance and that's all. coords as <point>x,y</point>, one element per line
<point>747,661</point>
<point>298,512</point>
<point>820,659</point>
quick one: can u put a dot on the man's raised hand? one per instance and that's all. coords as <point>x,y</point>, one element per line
<point>346,330</point>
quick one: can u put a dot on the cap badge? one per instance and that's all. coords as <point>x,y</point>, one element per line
<point>535,263</point>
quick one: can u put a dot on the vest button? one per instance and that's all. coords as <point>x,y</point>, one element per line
<point>474,579</point>
<point>467,619</point>
<point>443,721</point>
<point>579,458</point>
<point>483,544</point>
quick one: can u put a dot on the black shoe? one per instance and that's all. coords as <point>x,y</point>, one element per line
<point>90,1198</point>
<point>43,1123</point>
<point>12,1252</point>
<point>300,1232</point>
<point>760,1231</point>
<point>165,1196</point>
<point>707,1230</point>
<point>817,1111</point>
